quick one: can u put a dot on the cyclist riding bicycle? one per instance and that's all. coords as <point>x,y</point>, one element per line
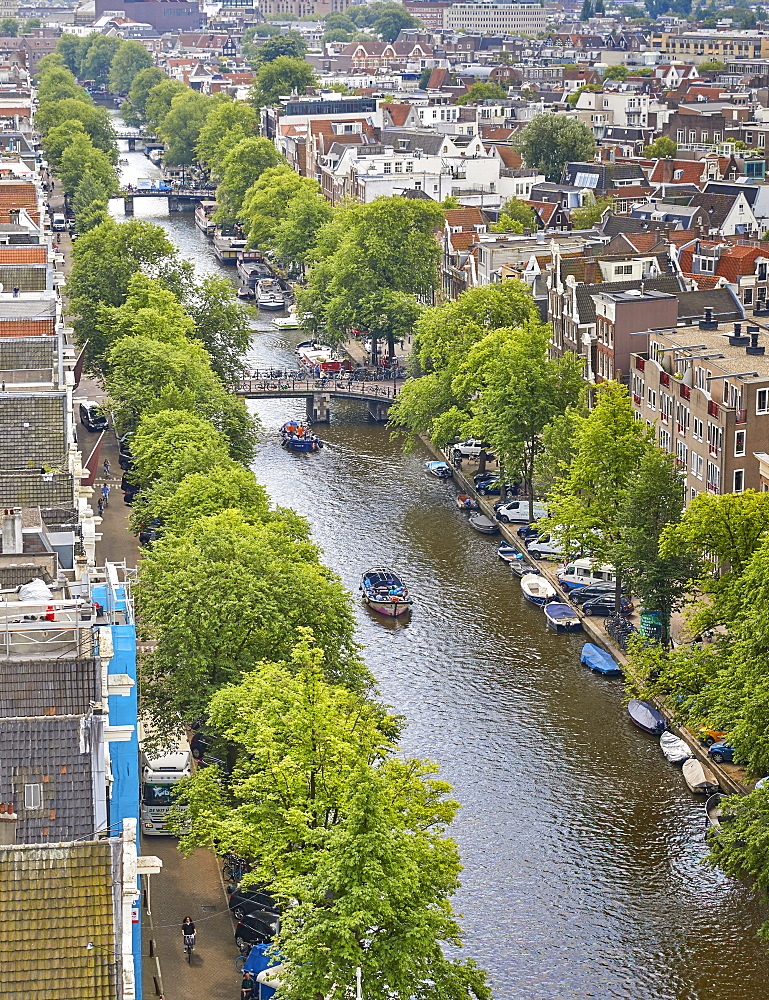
<point>188,931</point>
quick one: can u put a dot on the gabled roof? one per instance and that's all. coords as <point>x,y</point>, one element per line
<point>586,305</point>
<point>398,113</point>
<point>509,157</point>
<point>717,206</point>
<point>721,302</point>
<point>467,218</point>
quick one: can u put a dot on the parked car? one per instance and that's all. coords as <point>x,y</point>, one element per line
<point>481,477</point>
<point>547,546</point>
<point>470,449</point>
<point>710,736</point>
<point>124,451</point>
<point>130,490</point>
<point>721,753</point>
<point>581,594</point>
<point>251,900</point>
<point>92,416</point>
<point>527,532</point>
<point>604,605</point>
<point>256,928</point>
<point>518,510</point>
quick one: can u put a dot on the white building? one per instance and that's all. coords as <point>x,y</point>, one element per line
<point>509,18</point>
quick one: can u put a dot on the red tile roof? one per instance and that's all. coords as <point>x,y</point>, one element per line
<point>398,113</point>
<point>23,255</point>
<point>467,218</point>
<point>27,327</point>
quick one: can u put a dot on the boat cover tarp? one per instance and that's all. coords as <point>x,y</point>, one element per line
<point>646,716</point>
<point>599,660</point>
<point>560,611</point>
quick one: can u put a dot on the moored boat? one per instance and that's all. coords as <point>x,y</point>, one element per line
<point>562,617</point>
<point>676,750</point>
<point>289,322</point>
<point>536,589</point>
<point>269,294</point>
<point>483,524</point>
<point>699,779</point>
<point>599,661</point>
<point>385,592</point>
<point>319,359</point>
<point>227,248</point>
<point>204,217</point>
<point>438,469</point>
<point>467,504</point>
<point>713,815</point>
<point>508,553</point>
<point>297,437</point>
<point>520,567</point>
<point>646,717</point>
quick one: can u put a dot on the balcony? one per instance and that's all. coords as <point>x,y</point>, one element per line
<point>686,392</point>
<point>682,430</point>
<point>713,450</point>
<point>713,488</point>
<point>664,379</point>
<point>664,417</point>
<point>640,363</point>
<point>714,410</point>
<point>636,399</point>
<point>740,416</point>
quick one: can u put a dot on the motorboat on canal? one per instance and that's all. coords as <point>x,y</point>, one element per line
<point>508,553</point>
<point>438,469</point>
<point>289,322</point>
<point>537,589</point>
<point>468,504</point>
<point>269,294</point>
<point>204,217</point>
<point>227,248</point>
<point>319,359</point>
<point>646,717</point>
<point>483,524</point>
<point>562,617</point>
<point>252,267</point>
<point>599,661</point>
<point>675,749</point>
<point>699,779</point>
<point>714,817</point>
<point>297,437</point>
<point>385,592</point>
<point>520,567</point>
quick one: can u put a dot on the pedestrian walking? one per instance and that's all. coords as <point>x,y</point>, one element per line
<point>100,507</point>
<point>106,468</point>
<point>16,291</point>
<point>248,987</point>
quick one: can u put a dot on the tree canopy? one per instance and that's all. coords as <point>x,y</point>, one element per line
<point>483,92</point>
<point>240,169</point>
<point>549,142</point>
<point>280,77</point>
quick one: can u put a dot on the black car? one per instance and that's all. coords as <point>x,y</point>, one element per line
<point>604,605</point>
<point>581,594</point>
<point>245,901</point>
<point>256,928</point>
<point>527,532</point>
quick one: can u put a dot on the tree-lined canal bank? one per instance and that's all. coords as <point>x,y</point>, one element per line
<point>583,850</point>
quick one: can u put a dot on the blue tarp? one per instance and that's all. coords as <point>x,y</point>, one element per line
<point>257,962</point>
<point>599,660</point>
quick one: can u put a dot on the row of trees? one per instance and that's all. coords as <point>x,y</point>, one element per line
<point>103,59</point>
<point>254,635</point>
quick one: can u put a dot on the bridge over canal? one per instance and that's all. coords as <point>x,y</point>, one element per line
<point>378,395</point>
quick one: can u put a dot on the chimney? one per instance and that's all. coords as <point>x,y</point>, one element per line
<point>738,339</point>
<point>8,820</point>
<point>707,323</point>
<point>754,348</point>
<point>12,538</point>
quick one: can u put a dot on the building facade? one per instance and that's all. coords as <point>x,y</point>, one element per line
<point>509,18</point>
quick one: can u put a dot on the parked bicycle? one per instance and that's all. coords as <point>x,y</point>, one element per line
<point>234,867</point>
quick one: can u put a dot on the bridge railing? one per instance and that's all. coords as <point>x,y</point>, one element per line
<point>293,382</point>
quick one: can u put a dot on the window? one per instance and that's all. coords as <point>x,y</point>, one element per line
<point>623,269</point>
<point>388,168</point>
<point>762,401</point>
<point>739,480</point>
<point>682,453</point>
<point>762,272</point>
<point>696,465</point>
<point>739,443</point>
<point>398,168</point>
<point>747,296</point>
<point>33,796</point>
<point>716,137</point>
<point>692,136</point>
<point>761,139</point>
<point>417,185</point>
<point>680,135</point>
<point>409,167</point>
<point>697,428</point>
<point>651,398</point>
<point>665,440</point>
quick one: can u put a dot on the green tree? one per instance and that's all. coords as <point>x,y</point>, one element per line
<point>88,191</point>
<point>226,594</point>
<point>93,215</point>
<point>97,56</point>
<point>241,168</point>
<point>172,444</point>
<point>130,59</point>
<point>515,217</point>
<point>712,66</point>
<point>306,214</point>
<point>610,445</point>
<point>573,98</point>
<point>549,142</point>
<point>222,325</point>
<point>59,138</point>
<point>591,212</point>
<point>587,10</point>
<point>182,126</point>
<point>661,147</point>
<point>158,102</point>
<point>424,79</point>
<point>617,72</point>
<point>392,20</point>
<point>390,881</point>
<point>31,24</point>
<point>71,48</point>
<point>291,44</point>
<point>103,263</point>
<point>280,77</point>
<point>266,202</point>
<point>59,84</point>
<point>52,61</point>
<point>226,126</point>
<point>336,20</point>
<point>96,122</point>
<point>9,27</point>
<point>483,92</point>
<point>81,159</point>
<point>653,500</point>
<point>134,109</point>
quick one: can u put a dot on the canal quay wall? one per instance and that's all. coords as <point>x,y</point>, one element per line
<point>729,782</point>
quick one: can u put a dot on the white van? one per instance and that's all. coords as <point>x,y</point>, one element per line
<point>548,546</point>
<point>518,511</point>
<point>586,573</point>
<point>59,222</point>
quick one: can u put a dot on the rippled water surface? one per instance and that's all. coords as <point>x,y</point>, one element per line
<point>583,850</point>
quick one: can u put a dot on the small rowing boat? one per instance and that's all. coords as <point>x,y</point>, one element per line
<point>483,524</point>
<point>385,593</point>
<point>699,779</point>
<point>438,469</point>
<point>646,717</point>
<point>676,751</point>
<point>562,617</point>
<point>599,661</point>
<point>536,589</point>
<point>467,504</point>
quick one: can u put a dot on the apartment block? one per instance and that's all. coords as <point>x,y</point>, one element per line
<point>507,18</point>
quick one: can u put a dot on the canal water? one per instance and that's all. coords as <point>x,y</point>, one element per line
<point>583,851</point>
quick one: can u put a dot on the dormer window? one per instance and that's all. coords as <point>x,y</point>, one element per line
<point>677,175</point>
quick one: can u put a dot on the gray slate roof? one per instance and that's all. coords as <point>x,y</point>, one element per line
<point>31,688</point>
<point>48,752</point>
<point>27,353</point>
<point>407,140</point>
<point>32,430</point>
<point>586,305</point>
<point>692,306</point>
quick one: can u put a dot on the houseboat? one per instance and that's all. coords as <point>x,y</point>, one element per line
<point>318,358</point>
<point>269,294</point>
<point>204,217</point>
<point>227,248</point>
